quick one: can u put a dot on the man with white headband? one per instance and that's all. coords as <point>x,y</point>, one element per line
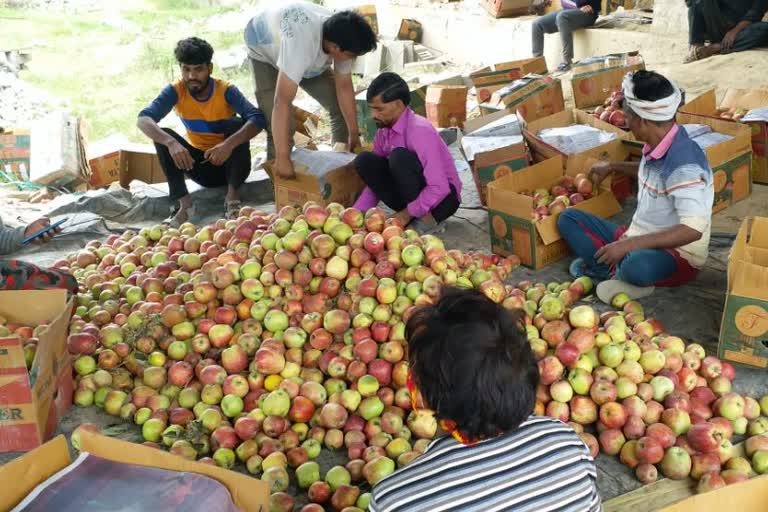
<point>668,240</point>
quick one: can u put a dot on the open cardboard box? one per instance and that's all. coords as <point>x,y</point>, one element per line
<point>706,105</point>
<point>339,185</point>
<point>744,328</point>
<point>749,496</point>
<point>490,79</point>
<point>33,468</point>
<point>594,79</point>
<point>575,163</point>
<point>31,402</point>
<point>510,214</point>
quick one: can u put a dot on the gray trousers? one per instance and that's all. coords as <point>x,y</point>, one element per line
<point>565,22</point>
<point>322,88</point>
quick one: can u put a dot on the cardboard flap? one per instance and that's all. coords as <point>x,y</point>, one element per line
<point>33,307</point>
<point>505,198</point>
<point>547,229</point>
<point>27,471</point>
<point>758,233</point>
<point>744,98</point>
<point>247,493</point>
<point>705,105</point>
<point>749,496</point>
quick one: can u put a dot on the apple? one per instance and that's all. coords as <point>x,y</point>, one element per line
<point>676,463</point>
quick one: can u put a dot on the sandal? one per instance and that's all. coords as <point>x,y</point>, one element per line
<point>233,209</point>
<point>693,55</point>
<point>179,216</point>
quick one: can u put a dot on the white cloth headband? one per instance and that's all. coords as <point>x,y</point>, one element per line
<point>659,110</point>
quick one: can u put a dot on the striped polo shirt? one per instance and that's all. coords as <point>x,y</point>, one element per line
<point>675,187</point>
<point>541,466</point>
<point>208,119</point>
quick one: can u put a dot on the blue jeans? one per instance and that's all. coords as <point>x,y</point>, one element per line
<point>564,21</point>
<point>585,234</point>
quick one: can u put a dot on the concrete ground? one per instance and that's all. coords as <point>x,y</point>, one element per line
<point>692,312</point>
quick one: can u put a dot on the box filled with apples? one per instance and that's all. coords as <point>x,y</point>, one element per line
<point>736,103</point>
<point>36,388</point>
<point>523,209</point>
<point>611,111</point>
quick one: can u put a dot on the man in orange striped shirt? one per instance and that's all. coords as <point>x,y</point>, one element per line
<point>219,122</point>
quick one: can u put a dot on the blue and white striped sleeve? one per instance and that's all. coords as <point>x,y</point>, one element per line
<point>10,238</point>
<point>693,193</point>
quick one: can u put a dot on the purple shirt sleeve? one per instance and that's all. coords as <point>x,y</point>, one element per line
<point>438,186</point>
<point>368,199</point>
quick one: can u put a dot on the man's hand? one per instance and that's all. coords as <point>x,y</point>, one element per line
<point>181,156</point>
<point>730,37</point>
<point>39,225</point>
<point>403,216</point>
<point>614,252</point>
<point>587,9</point>
<point>353,142</point>
<point>599,172</point>
<point>219,153</point>
<point>284,168</point>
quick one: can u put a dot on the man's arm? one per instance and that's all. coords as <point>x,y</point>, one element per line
<point>345,92</point>
<point>438,186</point>
<point>601,170</point>
<point>10,238</point>
<point>670,238</point>
<point>153,114</point>
<point>282,111</point>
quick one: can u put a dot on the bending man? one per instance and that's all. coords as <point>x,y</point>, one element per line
<point>668,240</point>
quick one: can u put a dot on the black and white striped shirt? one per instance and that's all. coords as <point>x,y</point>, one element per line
<point>542,466</point>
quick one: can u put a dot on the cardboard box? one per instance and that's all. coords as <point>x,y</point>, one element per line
<point>418,105</point>
<point>33,468</point>
<point>506,8</point>
<point>31,402</point>
<point>512,228</point>
<point>369,13</point>
<point>614,150</point>
<point>14,155</point>
<point>744,328</point>
<point>706,105</point>
<point>446,105</point>
<point>532,97</point>
<point>490,79</point>
<point>749,496</point>
<point>318,179</point>
<point>57,151</point>
<point>410,30</point>
<point>125,163</point>
<point>595,78</point>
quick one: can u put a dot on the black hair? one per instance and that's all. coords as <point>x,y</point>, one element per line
<point>350,32</point>
<point>472,363</point>
<point>391,87</point>
<point>650,86</point>
<point>193,51</point>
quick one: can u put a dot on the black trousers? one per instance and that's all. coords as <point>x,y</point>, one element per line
<point>233,172</point>
<point>399,179</point>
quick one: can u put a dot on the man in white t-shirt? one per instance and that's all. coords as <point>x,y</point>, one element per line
<point>307,45</point>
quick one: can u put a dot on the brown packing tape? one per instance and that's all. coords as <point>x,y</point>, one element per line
<point>247,493</point>
<point>27,471</point>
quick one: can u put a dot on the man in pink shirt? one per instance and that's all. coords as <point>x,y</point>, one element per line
<point>410,169</point>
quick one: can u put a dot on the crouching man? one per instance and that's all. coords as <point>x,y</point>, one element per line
<point>668,240</point>
<point>220,123</point>
<point>410,169</point>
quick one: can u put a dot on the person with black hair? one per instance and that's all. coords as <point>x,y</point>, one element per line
<point>470,362</point>
<point>295,45</point>
<point>217,153</point>
<point>574,15</point>
<point>729,26</point>
<point>668,240</point>
<point>410,169</point>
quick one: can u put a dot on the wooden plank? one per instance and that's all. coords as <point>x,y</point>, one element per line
<point>654,497</point>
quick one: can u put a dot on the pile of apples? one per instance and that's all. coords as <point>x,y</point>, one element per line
<point>631,390</point>
<point>611,110</point>
<point>27,334</point>
<point>262,341</point>
<point>566,193</point>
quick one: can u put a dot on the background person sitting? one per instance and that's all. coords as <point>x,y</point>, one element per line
<point>472,364</point>
<point>729,25</point>
<point>574,15</point>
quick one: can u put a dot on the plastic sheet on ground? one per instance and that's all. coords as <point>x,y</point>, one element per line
<point>94,484</point>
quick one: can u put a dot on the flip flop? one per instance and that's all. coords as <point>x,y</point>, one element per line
<point>233,209</point>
